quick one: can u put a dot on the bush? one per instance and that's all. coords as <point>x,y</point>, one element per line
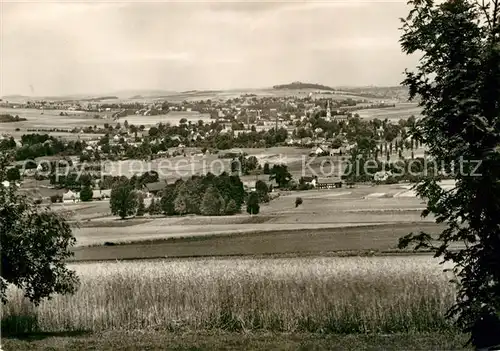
<point>298,202</point>
<point>232,208</point>
<point>253,203</point>
<point>86,194</point>
<point>141,208</point>
<point>212,203</point>
<point>154,207</point>
<point>56,198</point>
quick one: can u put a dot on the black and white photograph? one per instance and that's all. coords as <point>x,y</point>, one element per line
<point>250,175</point>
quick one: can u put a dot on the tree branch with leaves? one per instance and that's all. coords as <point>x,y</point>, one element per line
<point>458,83</point>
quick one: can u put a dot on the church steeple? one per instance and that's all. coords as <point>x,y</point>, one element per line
<point>328,111</point>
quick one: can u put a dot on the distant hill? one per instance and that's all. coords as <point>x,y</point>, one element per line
<point>100,98</point>
<point>300,85</point>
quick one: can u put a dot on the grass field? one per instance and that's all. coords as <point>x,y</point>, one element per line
<point>298,241</point>
<point>327,295</point>
<point>173,117</point>
<point>402,110</point>
<point>224,341</point>
<point>322,211</point>
<point>50,119</point>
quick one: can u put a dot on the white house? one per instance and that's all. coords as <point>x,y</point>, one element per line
<point>382,176</point>
<point>310,181</point>
<point>101,194</point>
<point>71,196</point>
<point>320,150</point>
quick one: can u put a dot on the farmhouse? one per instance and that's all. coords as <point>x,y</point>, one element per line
<point>328,183</point>
<point>336,152</point>
<point>382,176</point>
<point>101,194</point>
<point>71,196</point>
<point>320,150</point>
<point>309,180</point>
<point>154,188</point>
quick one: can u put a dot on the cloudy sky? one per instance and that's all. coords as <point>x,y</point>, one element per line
<point>62,47</point>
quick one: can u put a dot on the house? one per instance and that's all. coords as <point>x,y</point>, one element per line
<point>71,196</point>
<point>337,151</point>
<point>249,185</point>
<point>329,183</point>
<point>320,150</point>
<point>382,176</point>
<point>309,180</point>
<point>101,194</point>
<point>155,188</point>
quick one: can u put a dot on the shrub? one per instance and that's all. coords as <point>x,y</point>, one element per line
<point>141,208</point>
<point>232,208</point>
<point>298,202</point>
<point>253,203</point>
<point>86,194</point>
<point>56,198</point>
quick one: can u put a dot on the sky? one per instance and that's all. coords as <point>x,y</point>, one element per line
<point>63,47</point>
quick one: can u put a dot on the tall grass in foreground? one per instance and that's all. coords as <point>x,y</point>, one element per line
<point>337,295</point>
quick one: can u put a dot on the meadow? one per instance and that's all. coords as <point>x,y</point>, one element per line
<point>316,295</point>
<point>50,119</point>
<point>401,111</point>
<point>173,118</point>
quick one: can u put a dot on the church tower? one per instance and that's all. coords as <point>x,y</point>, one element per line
<point>328,111</point>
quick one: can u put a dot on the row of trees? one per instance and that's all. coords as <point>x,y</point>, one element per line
<point>208,195</point>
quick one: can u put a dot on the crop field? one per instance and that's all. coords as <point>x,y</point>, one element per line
<point>173,117</point>
<point>402,110</point>
<point>50,119</point>
<point>329,295</point>
<point>320,209</point>
<point>360,219</point>
<point>287,240</point>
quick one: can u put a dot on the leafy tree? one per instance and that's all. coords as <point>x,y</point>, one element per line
<point>262,190</point>
<point>154,207</point>
<point>167,200</point>
<point>34,245</point>
<point>13,174</point>
<point>213,204</point>
<point>253,206</point>
<point>141,207</point>
<point>280,174</point>
<point>459,42</point>
<point>251,163</point>
<point>237,190</point>
<point>133,129</point>
<point>86,194</point>
<point>180,204</point>
<point>266,168</point>
<point>194,190</point>
<point>123,201</point>
<point>235,166</point>
<point>149,177</point>
<point>153,132</point>
<point>232,208</point>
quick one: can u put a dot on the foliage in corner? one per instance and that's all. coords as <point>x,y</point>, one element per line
<point>34,244</point>
<point>457,82</point>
